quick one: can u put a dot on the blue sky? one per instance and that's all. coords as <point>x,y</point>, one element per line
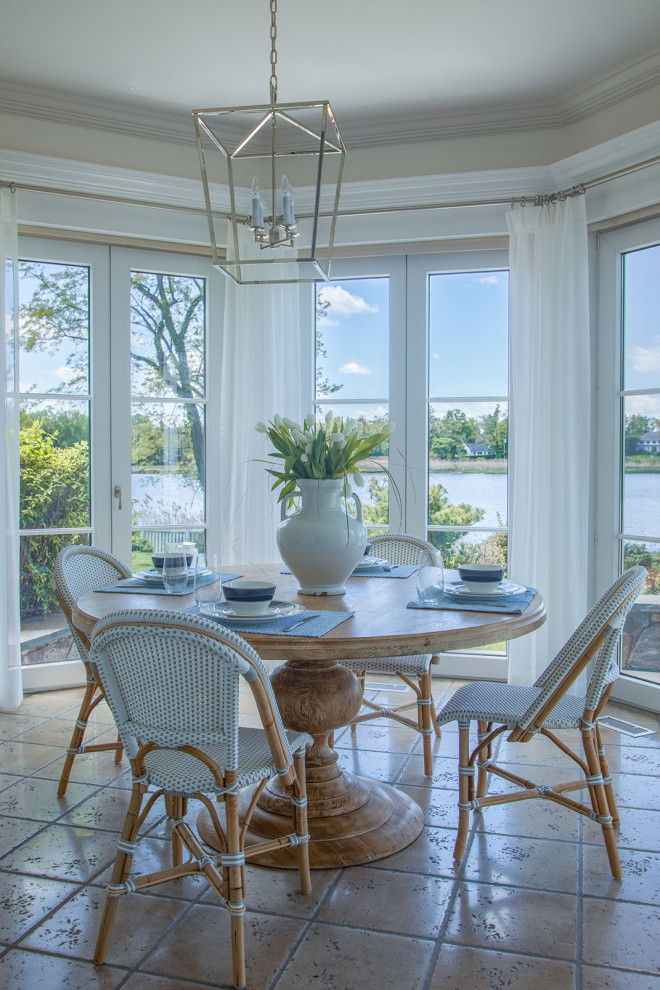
<point>468,316</point>
<point>642,328</point>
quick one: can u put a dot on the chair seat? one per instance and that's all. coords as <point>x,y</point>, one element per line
<point>506,704</point>
<point>183,774</point>
<point>415,665</point>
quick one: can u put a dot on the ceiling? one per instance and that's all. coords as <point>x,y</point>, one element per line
<point>393,72</point>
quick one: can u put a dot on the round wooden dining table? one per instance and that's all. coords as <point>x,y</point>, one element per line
<point>351,819</point>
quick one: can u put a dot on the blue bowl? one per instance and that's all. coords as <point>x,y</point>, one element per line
<point>481,577</point>
<point>248,597</point>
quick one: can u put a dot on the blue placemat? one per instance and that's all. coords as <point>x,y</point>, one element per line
<point>138,586</point>
<point>383,570</point>
<point>388,571</point>
<point>322,623</point>
<point>515,605</point>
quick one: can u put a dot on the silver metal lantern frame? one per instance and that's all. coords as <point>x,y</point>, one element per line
<point>270,137</point>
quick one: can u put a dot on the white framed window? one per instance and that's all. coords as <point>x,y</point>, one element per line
<point>628,467</point>
<point>423,340</point>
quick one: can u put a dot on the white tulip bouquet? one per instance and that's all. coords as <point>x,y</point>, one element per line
<point>330,448</point>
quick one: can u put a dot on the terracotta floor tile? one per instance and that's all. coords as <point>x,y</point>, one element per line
<point>445,772</point>
<point>438,805</point>
<point>13,831</point>
<point>409,904</point>
<point>597,978</point>
<point>57,732</point>
<point>141,920</point>
<point>431,853</point>
<point>20,969</point>
<point>107,809</point>
<point>151,855</point>
<point>636,791</point>
<point>639,830</point>
<point>536,819</point>
<point>25,901</point>
<point>382,737</point>
<point>12,725</point>
<point>88,768</point>
<point>379,766</point>
<point>63,852</point>
<point>528,921</point>
<point>641,876</point>
<point>35,798</point>
<point>619,934</point>
<point>347,959</point>
<point>523,862</point>
<point>479,969</point>
<point>278,891</point>
<point>145,981</point>
<point>21,757</point>
<point>198,947</point>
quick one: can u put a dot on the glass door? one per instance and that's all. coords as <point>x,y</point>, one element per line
<point>115,357</point>
<point>629,522</point>
<point>161,346</point>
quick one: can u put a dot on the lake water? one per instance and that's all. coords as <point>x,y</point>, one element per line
<point>165,498</point>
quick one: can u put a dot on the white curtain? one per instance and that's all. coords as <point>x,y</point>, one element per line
<point>550,416</point>
<point>261,376</point>
<point>11,692</point>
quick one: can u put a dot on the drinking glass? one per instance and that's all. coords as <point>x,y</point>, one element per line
<point>208,581</point>
<point>175,572</point>
<point>430,584</point>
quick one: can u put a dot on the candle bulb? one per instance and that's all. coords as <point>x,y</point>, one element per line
<point>257,204</point>
<point>287,202</point>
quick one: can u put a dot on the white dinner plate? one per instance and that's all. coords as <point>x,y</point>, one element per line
<point>507,588</point>
<point>276,610</point>
<point>153,576</point>
<point>367,563</point>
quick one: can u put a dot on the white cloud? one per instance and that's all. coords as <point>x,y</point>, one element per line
<point>344,303</point>
<point>353,368</point>
<point>643,405</point>
<point>64,374</point>
<point>645,359</point>
<point>491,279</point>
<point>434,355</point>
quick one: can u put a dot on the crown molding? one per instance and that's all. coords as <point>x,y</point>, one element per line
<point>177,127</point>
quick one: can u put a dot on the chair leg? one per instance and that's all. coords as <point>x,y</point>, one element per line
<point>424,703</point>
<point>300,821</point>
<point>607,780</point>
<point>464,799</point>
<point>120,750</point>
<point>175,807</point>
<point>120,871</point>
<point>482,774</point>
<point>77,735</point>
<point>599,800</point>
<point>235,893</point>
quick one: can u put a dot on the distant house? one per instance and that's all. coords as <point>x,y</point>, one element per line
<point>478,449</point>
<point>649,443</point>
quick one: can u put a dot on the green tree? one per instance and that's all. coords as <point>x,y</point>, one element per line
<point>448,433</point>
<point>54,494</point>
<point>167,324</point>
<point>636,427</point>
<point>495,430</point>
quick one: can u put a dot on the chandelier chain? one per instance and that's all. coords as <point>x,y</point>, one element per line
<point>273,52</point>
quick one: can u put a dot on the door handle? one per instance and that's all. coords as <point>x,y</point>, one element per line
<point>117,494</point>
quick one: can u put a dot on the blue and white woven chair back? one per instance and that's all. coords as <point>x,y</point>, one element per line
<point>174,679</point>
<point>606,617</point>
<point>400,548</point>
<point>80,569</point>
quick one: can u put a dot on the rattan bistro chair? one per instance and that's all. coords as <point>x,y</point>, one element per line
<point>79,569</point>
<point>172,681</point>
<point>545,707</point>
<point>415,671</point>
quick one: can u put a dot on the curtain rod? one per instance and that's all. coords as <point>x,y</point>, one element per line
<point>532,200</point>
